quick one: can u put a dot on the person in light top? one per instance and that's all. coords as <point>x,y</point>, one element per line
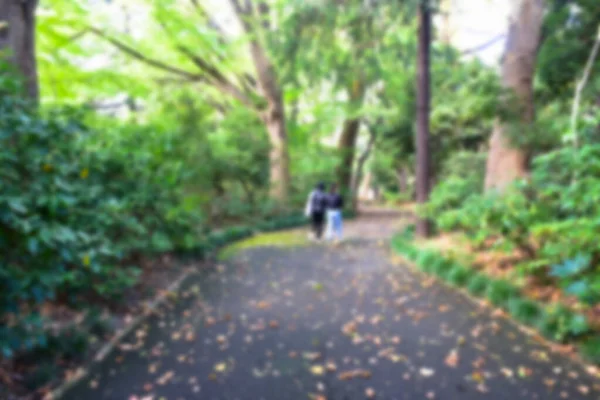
<point>334,205</point>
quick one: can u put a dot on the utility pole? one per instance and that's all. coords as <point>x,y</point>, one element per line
<point>423,104</point>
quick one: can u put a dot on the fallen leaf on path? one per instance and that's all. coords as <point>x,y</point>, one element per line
<point>331,367</point>
<point>396,340</point>
<point>263,305</point>
<point>426,372</point>
<point>370,393</point>
<point>349,328</point>
<point>477,377</point>
<point>583,389</point>
<point>220,367</point>
<point>356,373</point>
<point>221,339</point>
<point>148,387</point>
<point>274,324</point>
<point>479,362</point>
<point>507,372</point>
<point>317,370</point>
<point>524,372</point>
<point>452,359</point>
<point>549,382</point>
<point>165,378</point>
<point>311,356</point>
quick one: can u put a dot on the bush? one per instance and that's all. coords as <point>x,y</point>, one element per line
<point>552,220</point>
<point>478,284</point>
<point>458,275</point>
<point>461,178</point>
<point>524,310</point>
<point>72,218</point>
<point>500,292</point>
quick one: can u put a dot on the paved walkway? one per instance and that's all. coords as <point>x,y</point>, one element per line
<point>330,323</point>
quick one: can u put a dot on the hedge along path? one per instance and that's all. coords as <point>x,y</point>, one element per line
<point>324,322</point>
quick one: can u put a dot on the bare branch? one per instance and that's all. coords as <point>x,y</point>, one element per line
<point>484,45</point>
<point>141,57</point>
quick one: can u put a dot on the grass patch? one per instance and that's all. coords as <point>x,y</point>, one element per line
<point>441,268</point>
<point>590,349</point>
<point>272,239</point>
<point>478,284</point>
<point>524,310</point>
<point>458,275</point>
<point>499,292</point>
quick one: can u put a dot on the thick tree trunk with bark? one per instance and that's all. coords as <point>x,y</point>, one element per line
<point>279,162</point>
<point>17,40</point>
<point>505,162</point>
<point>348,137</point>
<point>346,148</point>
<point>360,165</point>
<point>423,104</point>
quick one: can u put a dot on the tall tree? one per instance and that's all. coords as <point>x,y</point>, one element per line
<point>423,104</point>
<point>505,161</point>
<point>200,51</point>
<point>17,40</point>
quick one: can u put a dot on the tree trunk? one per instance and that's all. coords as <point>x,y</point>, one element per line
<point>423,104</point>
<point>506,163</point>
<point>347,141</point>
<point>402,176</point>
<point>346,147</point>
<point>360,167</point>
<point>17,40</point>
<point>279,161</point>
<point>274,119</point>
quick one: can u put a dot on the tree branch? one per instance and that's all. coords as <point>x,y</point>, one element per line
<point>581,85</point>
<point>141,57</point>
<point>484,45</point>
<point>216,77</point>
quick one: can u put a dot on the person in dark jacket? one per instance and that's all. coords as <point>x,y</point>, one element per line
<point>335,205</point>
<point>315,209</point>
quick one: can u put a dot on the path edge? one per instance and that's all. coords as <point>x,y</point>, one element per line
<point>576,358</point>
<point>83,371</point>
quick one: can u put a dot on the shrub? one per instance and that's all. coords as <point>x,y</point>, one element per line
<point>590,349</point>
<point>524,310</point>
<point>458,275</point>
<point>478,284</point>
<point>499,292</point>
<point>73,217</point>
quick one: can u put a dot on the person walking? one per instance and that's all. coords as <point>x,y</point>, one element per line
<point>335,205</point>
<point>315,209</point>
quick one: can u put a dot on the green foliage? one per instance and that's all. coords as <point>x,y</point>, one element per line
<point>500,292</point>
<point>459,275</point>
<point>478,284</point>
<point>71,217</point>
<point>590,349</point>
<point>524,310</point>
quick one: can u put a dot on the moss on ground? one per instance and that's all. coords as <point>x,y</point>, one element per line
<point>294,238</point>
